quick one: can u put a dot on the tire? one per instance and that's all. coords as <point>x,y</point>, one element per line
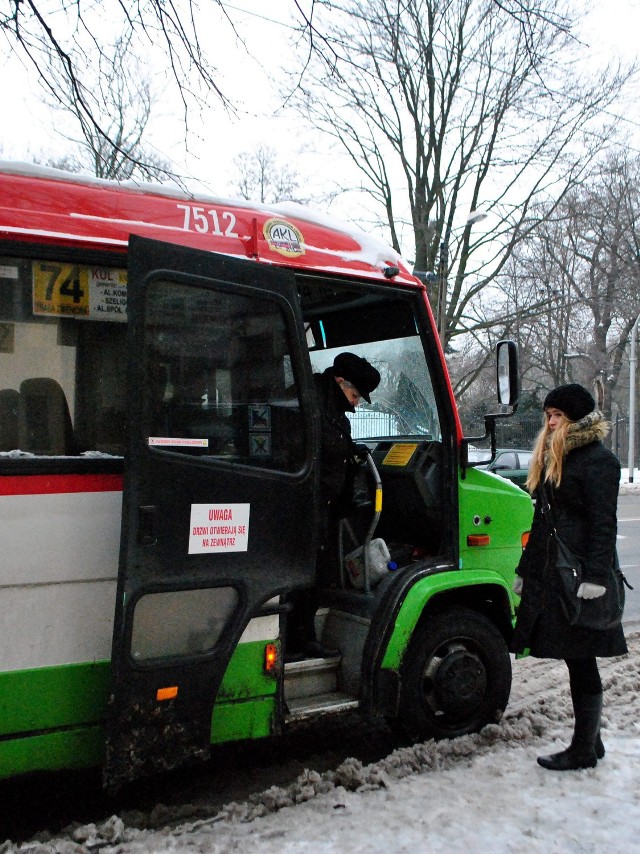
<point>455,678</point>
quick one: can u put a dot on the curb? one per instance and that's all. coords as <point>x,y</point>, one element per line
<point>629,488</point>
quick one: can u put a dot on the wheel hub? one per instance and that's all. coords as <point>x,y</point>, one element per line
<point>456,682</point>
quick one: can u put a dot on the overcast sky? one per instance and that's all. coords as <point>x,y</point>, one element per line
<point>610,29</point>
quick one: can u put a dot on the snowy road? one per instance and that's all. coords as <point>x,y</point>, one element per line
<point>480,793</point>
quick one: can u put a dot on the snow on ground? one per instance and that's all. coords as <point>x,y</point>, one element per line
<point>479,793</point>
<point>627,488</point>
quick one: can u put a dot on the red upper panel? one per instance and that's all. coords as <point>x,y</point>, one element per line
<point>48,205</point>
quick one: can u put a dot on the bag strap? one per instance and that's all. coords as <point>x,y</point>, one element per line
<point>616,568</point>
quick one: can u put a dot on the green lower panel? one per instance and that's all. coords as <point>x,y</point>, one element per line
<point>240,721</point>
<point>78,748</point>
<point>83,747</point>
<point>245,675</point>
<point>64,708</point>
<point>53,697</point>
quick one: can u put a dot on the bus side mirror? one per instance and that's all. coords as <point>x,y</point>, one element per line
<point>507,374</point>
<point>508,392</point>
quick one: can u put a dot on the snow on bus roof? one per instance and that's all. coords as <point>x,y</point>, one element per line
<point>373,249</point>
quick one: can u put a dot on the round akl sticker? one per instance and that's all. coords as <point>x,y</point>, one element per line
<point>283,237</point>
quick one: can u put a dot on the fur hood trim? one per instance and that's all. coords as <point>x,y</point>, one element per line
<point>591,428</point>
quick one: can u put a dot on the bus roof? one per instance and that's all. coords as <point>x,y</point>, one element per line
<point>48,205</point>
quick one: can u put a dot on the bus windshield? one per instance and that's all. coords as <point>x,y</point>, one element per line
<point>404,402</point>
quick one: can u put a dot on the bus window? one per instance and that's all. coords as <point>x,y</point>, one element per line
<point>219,377</point>
<point>404,403</point>
<point>63,371</point>
<point>384,330</point>
<point>180,622</point>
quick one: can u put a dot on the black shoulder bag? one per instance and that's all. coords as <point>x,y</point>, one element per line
<point>602,613</point>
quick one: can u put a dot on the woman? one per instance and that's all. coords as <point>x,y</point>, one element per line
<point>572,471</point>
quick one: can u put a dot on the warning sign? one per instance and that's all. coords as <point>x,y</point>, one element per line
<point>218,528</point>
<point>399,455</point>
<point>177,442</point>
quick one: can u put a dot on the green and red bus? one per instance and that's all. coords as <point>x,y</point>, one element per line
<point>159,489</point>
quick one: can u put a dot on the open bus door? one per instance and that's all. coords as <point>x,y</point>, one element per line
<point>218,510</point>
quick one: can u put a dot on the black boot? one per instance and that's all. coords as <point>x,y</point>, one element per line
<point>599,746</point>
<point>600,751</point>
<point>581,753</point>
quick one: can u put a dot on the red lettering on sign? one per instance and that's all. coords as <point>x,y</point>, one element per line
<point>200,531</point>
<point>103,274</point>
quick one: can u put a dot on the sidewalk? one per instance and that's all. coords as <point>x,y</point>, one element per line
<point>627,488</point>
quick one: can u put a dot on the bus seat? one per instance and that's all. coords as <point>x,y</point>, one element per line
<point>111,431</point>
<point>44,422</point>
<point>9,398</point>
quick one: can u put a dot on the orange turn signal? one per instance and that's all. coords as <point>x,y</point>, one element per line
<point>478,539</point>
<point>270,657</point>
<point>524,539</point>
<point>167,693</point>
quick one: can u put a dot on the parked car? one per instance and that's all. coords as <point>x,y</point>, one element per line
<point>512,463</point>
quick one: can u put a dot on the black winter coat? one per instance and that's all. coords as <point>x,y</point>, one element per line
<point>584,507</point>
<point>337,463</point>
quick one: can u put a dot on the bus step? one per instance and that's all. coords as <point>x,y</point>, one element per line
<point>306,707</point>
<point>310,677</point>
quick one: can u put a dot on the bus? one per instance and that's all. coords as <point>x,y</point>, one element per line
<point>159,483</point>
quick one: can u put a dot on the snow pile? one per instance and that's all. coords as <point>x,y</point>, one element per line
<point>477,793</point>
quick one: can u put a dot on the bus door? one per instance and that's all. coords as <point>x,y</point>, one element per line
<point>218,510</point>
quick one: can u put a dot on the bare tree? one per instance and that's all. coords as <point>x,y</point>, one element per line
<point>74,31</point>
<point>118,91</point>
<point>180,30</point>
<point>586,260</point>
<point>35,27</point>
<point>446,106</point>
<point>262,177</point>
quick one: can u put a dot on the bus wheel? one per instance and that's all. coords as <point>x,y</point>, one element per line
<point>456,676</point>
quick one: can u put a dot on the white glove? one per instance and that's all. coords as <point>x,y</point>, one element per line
<point>590,591</point>
<point>517,585</point>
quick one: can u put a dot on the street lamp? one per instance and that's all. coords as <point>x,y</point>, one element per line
<point>441,275</point>
<point>632,398</point>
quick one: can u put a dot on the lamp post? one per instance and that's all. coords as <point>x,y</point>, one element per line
<point>443,264</point>
<point>632,398</point>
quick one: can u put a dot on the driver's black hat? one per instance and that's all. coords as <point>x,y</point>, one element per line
<point>356,370</point>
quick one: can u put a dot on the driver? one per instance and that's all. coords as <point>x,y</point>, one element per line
<point>339,389</point>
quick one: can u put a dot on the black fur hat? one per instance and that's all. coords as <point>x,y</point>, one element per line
<point>358,372</point>
<point>572,399</point>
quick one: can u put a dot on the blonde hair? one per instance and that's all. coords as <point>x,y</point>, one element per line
<point>548,454</point>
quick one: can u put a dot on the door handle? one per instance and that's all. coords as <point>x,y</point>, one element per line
<point>147,526</point>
